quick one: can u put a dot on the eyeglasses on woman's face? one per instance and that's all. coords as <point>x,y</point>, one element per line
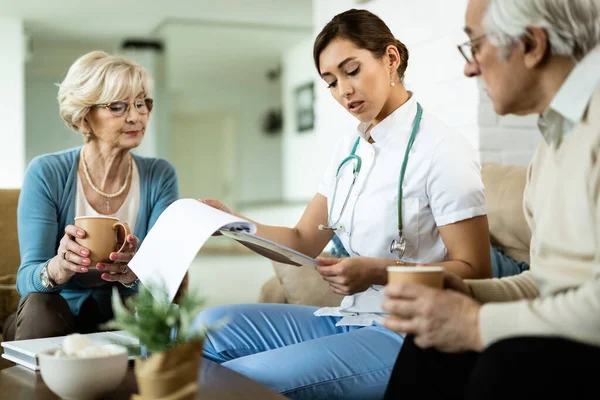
<point>120,108</point>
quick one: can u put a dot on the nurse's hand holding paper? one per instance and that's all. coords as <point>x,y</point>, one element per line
<point>219,206</point>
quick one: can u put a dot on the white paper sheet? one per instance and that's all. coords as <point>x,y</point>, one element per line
<point>171,245</point>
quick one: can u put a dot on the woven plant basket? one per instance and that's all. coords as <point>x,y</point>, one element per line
<point>170,374</point>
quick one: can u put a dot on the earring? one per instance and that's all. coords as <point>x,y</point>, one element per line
<point>392,83</point>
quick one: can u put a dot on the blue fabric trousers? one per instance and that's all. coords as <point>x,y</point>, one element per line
<point>504,265</point>
<point>288,349</point>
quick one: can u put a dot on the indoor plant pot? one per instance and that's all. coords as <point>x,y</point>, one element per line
<point>170,373</point>
<point>170,350</point>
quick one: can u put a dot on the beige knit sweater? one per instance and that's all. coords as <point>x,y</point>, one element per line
<point>560,295</point>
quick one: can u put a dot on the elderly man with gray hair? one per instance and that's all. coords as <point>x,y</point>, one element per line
<point>530,335</point>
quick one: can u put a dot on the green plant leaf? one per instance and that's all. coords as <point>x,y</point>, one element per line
<point>153,319</point>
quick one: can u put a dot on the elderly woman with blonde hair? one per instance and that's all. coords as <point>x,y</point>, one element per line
<point>107,99</point>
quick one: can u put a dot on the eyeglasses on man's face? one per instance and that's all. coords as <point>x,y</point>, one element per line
<point>120,108</point>
<point>470,49</point>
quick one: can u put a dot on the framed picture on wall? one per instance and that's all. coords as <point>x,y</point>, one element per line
<point>304,102</point>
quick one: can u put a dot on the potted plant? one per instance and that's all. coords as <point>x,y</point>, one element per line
<point>170,351</point>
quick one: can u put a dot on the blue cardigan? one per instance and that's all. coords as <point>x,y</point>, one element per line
<point>47,205</point>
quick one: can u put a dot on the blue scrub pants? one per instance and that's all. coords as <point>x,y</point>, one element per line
<point>288,349</point>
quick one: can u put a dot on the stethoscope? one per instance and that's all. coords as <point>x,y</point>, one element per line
<point>397,245</point>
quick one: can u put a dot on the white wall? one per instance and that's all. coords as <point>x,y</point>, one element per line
<point>12,102</point>
<point>508,139</point>
<point>300,178</point>
<point>257,155</point>
<point>46,132</point>
<point>204,144</point>
<point>223,68</point>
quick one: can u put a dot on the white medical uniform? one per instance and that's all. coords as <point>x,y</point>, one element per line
<point>442,185</point>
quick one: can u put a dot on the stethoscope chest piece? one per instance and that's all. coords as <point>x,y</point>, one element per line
<point>398,246</point>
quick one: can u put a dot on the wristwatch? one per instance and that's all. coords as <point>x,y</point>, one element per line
<point>46,279</point>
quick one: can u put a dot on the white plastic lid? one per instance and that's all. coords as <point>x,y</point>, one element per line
<point>395,268</point>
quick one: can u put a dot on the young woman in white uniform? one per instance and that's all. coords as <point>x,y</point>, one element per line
<point>309,353</point>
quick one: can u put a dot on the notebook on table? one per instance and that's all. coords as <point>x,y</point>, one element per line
<point>24,352</point>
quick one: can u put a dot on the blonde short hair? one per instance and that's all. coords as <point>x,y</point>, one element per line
<point>99,78</point>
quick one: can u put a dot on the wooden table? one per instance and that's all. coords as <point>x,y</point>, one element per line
<point>216,382</point>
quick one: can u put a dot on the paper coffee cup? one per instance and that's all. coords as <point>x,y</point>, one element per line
<point>429,276</point>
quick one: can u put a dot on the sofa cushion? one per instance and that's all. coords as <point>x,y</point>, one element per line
<point>504,186</point>
<point>9,245</point>
<point>9,297</point>
<point>303,285</point>
<point>272,292</point>
<point>9,248</point>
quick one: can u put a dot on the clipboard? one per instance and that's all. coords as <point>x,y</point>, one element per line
<point>269,249</point>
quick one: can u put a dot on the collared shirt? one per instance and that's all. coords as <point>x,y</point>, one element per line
<point>442,185</point>
<point>569,104</point>
<point>560,295</point>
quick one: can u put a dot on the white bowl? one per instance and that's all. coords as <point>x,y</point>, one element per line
<point>83,378</point>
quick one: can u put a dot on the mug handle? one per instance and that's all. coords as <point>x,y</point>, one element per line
<point>126,232</point>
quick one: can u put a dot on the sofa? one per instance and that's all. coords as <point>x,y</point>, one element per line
<point>10,260</point>
<point>9,248</point>
<point>504,185</point>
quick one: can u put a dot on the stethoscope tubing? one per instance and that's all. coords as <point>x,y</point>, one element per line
<point>397,245</point>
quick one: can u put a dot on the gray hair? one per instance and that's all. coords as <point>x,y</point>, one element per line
<point>573,26</point>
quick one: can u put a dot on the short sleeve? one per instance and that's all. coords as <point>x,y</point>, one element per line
<point>454,185</point>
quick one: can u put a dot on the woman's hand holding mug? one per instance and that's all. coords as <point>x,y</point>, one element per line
<point>70,258</point>
<point>100,242</point>
<point>118,271</point>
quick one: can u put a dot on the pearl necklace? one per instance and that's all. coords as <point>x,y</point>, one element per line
<point>100,192</point>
